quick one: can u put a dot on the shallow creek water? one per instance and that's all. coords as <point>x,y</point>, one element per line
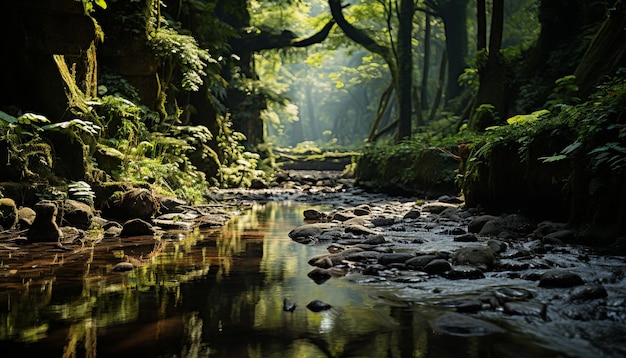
<point>220,293</point>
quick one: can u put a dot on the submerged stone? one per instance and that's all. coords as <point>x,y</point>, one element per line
<point>457,324</point>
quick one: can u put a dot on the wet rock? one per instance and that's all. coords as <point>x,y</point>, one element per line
<point>318,306</point>
<point>77,214</point>
<point>560,237</point>
<point>535,309</point>
<point>470,305</point>
<point>469,237</point>
<point>437,207</point>
<point>379,221</point>
<point>44,227</point>
<point>457,324</point>
<point>363,256</point>
<point>420,261</point>
<point>509,294</point>
<point>588,292</point>
<point>437,266</point>
<point>414,213</point>
<point>343,216</point>
<point>482,256</point>
<point>463,272</point>
<point>311,214</point>
<point>476,224</point>
<point>139,203</point>
<point>136,227</point>
<point>257,183</point>
<point>319,275</point>
<point>376,239</point>
<point>546,227</point>
<point>560,279</point>
<point>396,257</point>
<point>362,210</point>
<point>359,230</point>
<point>123,267</point>
<point>493,227</point>
<point>307,232</point>
<point>497,246</point>
<point>26,216</point>
<point>169,205</point>
<point>373,270</point>
<point>330,260</point>
<point>537,247</point>
<point>8,214</point>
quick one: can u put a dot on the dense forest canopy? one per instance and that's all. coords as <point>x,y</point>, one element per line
<point>191,93</point>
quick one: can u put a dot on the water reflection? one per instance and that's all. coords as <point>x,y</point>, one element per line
<point>220,294</point>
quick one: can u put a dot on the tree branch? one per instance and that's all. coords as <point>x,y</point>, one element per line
<point>318,37</point>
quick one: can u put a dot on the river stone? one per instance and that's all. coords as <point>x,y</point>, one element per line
<point>510,294</point>
<point>493,228</point>
<point>382,221</point>
<point>437,266</point>
<point>77,214</point>
<point>464,305</point>
<point>497,246</point>
<point>463,272</point>
<point>123,267</point>
<point>309,230</point>
<point>414,213</point>
<point>362,210</point>
<point>318,306</point>
<point>359,230</point>
<point>469,237</point>
<point>476,224</point>
<point>560,237</point>
<point>311,214</point>
<point>521,308</point>
<point>343,216</point>
<point>437,207</point>
<point>44,227</point>
<point>136,227</point>
<point>457,324</point>
<point>376,239</point>
<point>396,257</point>
<point>319,275</point>
<point>588,292</point>
<point>8,214</point>
<point>560,279</point>
<point>26,216</point>
<point>363,256</point>
<point>420,261</point>
<point>482,256</point>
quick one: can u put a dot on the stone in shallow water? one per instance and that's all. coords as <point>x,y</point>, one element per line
<point>536,309</point>
<point>457,324</point>
<point>588,292</point>
<point>463,272</point>
<point>560,279</point>
<point>396,257</point>
<point>318,306</point>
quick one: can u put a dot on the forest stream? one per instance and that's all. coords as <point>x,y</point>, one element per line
<point>319,270</point>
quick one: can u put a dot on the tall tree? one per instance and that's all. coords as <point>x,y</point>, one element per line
<point>399,61</point>
<point>454,16</point>
<point>491,90</point>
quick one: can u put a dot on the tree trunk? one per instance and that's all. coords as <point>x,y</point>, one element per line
<point>491,74</point>
<point>607,51</point>
<point>405,68</point>
<point>454,15</point>
<point>426,67</point>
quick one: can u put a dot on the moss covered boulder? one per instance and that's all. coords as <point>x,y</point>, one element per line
<point>8,213</point>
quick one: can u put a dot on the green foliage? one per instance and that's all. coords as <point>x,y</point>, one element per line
<point>563,94</point>
<point>183,53</point>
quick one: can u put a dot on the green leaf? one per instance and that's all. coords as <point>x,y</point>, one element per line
<point>553,158</point>
<point>101,3</point>
<point>7,117</point>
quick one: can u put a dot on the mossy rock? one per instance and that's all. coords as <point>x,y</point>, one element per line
<point>108,159</point>
<point>8,213</point>
<point>413,171</point>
